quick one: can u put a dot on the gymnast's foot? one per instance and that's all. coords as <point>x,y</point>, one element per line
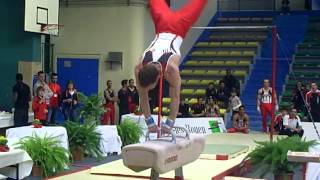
<point>152,127</point>
<point>166,127</point>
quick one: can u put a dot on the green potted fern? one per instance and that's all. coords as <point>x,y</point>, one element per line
<point>129,131</point>
<point>91,108</point>
<point>272,156</point>
<point>83,139</point>
<point>48,156</point>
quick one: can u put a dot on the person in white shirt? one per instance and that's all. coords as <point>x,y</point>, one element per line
<point>292,124</point>
<point>41,82</point>
<point>234,103</point>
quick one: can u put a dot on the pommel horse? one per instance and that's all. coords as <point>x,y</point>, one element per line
<point>164,154</point>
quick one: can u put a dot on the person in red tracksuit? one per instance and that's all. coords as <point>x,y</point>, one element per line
<point>264,103</point>
<point>39,106</point>
<point>162,58</point>
<point>55,99</point>
<point>313,102</point>
<point>109,100</point>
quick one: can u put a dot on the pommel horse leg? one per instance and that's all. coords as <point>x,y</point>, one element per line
<point>178,174</point>
<point>165,154</point>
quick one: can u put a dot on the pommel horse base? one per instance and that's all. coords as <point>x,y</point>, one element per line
<point>164,154</point>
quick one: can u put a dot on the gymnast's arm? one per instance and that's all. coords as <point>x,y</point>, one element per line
<point>174,79</point>
<point>143,94</point>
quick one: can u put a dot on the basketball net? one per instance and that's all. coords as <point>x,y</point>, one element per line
<point>51,29</point>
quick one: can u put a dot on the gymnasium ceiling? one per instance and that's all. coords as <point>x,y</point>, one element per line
<point>67,3</point>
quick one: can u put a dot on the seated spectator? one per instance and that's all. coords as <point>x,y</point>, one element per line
<point>231,82</point>
<point>234,103</point>
<point>223,94</point>
<point>278,123</point>
<point>198,109</point>
<point>292,124</point>
<point>213,109</point>
<point>183,109</point>
<point>210,93</point>
<point>240,122</point>
<point>39,106</point>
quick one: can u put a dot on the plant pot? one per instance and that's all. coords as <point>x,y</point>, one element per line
<point>284,176</point>
<point>4,148</point>
<point>77,154</point>
<point>36,170</point>
<point>138,113</point>
<point>37,125</point>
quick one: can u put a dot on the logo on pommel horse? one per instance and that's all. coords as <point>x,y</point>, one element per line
<point>171,159</point>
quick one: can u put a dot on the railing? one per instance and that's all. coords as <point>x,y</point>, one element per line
<point>103,3</point>
<point>244,5</point>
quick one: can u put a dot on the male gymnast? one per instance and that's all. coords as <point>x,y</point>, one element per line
<point>162,57</point>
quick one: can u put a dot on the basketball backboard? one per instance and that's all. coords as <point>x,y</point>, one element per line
<point>39,13</point>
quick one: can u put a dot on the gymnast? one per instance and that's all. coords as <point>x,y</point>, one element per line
<point>162,58</point>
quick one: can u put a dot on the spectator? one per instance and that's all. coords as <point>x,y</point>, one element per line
<point>41,82</point>
<point>240,122</point>
<point>21,99</point>
<point>285,9</point>
<point>278,124</point>
<point>70,100</point>
<point>292,124</point>
<point>198,109</point>
<point>183,109</point>
<point>109,99</point>
<point>133,96</point>
<point>264,103</point>
<point>210,92</point>
<point>55,99</point>
<point>298,97</point>
<point>223,94</point>
<point>231,82</point>
<point>123,96</point>
<point>39,106</point>
<point>313,102</point>
<point>234,103</point>
<point>213,109</point>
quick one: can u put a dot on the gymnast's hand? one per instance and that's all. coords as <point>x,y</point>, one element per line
<point>166,127</point>
<point>153,129</point>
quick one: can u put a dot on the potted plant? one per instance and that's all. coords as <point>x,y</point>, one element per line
<point>91,107</point>
<point>48,156</point>
<point>272,156</point>
<point>3,144</point>
<point>83,139</point>
<point>37,123</point>
<point>129,131</point>
<point>138,111</point>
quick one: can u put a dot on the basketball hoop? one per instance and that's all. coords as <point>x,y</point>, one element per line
<point>52,29</point>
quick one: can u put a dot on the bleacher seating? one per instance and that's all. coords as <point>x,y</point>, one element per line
<point>306,64</point>
<point>234,49</point>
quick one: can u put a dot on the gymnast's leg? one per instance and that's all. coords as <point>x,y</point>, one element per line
<point>191,11</point>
